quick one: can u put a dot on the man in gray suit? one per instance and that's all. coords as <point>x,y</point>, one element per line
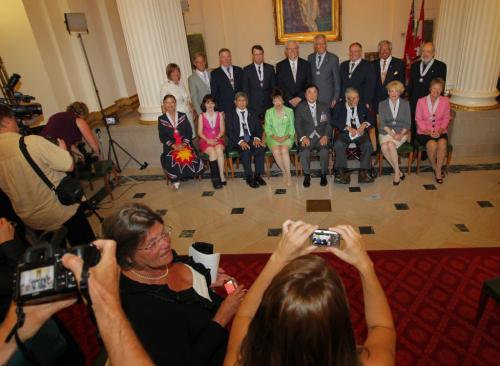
<point>325,71</point>
<point>312,125</point>
<point>199,81</point>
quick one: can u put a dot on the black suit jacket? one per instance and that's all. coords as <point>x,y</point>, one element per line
<point>233,127</point>
<point>340,116</point>
<point>259,97</point>
<point>221,87</point>
<point>395,71</point>
<point>417,89</point>
<point>362,79</point>
<point>284,79</point>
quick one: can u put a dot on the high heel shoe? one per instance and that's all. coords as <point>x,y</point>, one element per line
<point>402,176</point>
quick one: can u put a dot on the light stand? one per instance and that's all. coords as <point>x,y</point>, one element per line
<point>76,22</point>
<point>111,141</point>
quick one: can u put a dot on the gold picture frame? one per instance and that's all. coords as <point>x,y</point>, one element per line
<point>301,20</point>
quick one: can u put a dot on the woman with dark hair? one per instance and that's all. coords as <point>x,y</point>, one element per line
<point>280,133</point>
<point>179,160</point>
<point>174,86</point>
<point>167,298</point>
<point>433,117</point>
<point>296,313</point>
<point>211,130</point>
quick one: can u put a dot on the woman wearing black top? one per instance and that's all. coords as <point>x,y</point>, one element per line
<point>167,299</point>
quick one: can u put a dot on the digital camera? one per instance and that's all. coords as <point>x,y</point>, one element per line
<point>325,238</point>
<point>41,277</point>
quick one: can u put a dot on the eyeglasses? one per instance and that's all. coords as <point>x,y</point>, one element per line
<point>153,243</point>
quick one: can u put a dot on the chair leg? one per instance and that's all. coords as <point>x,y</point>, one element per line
<point>108,186</point>
<point>237,163</point>
<point>226,173</point>
<point>91,185</point>
<point>231,167</point>
<point>380,160</point>
<point>419,157</point>
<point>410,160</point>
<point>448,161</point>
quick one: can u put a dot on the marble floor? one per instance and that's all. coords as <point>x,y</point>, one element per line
<point>462,212</point>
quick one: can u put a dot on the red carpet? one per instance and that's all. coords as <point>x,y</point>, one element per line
<point>433,296</point>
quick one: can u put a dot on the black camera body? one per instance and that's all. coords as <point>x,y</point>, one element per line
<point>41,277</point>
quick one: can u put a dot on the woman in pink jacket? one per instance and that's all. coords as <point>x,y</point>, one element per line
<point>432,117</point>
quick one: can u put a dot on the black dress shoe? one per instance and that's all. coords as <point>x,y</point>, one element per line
<point>224,183</point>
<point>323,182</point>
<point>307,180</point>
<point>252,183</point>
<point>259,180</point>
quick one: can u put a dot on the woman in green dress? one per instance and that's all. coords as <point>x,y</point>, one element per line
<point>280,133</point>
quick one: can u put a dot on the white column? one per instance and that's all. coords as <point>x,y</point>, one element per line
<point>480,60</point>
<point>449,35</point>
<point>155,36</point>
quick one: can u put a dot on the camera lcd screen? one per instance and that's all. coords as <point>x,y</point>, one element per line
<point>325,238</point>
<point>36,280</point>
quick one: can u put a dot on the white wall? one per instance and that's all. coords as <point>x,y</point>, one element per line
<point>34,42</point>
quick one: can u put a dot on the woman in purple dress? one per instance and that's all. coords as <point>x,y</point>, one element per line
<point>211,130</point>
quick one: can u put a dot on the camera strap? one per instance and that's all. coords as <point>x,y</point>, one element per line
<point>27,353</point>
<point>36,168</point>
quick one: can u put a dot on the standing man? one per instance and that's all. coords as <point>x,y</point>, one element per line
<point>33,201</point>
<point>244,132</point>
<point>293,75</point>
<point>358,73</point>
<point>325,71</point>
<point>312,124</point>
<point>387,69</point>
<point>226,81</point>
<point>259,80</point>
<point>421,74</point>
<point>199,81</point>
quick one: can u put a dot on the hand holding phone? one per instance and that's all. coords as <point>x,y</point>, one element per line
<point>230,286</point>
<point>325,238</point>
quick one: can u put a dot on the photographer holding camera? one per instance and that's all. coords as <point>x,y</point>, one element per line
<point>38,206</point>
<point>71,127</point>
<point>296,312</point>
<point>120,341</point>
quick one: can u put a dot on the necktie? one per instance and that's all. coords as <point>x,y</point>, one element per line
<point>231,79</point>
<point>246,132</point>
<point>260,72</point>
<point>294,71</point>
<point>314,116</point>
<point>353,120</point>
<point>352,67</point>
<point>384,73</point>
<point>318,61</point>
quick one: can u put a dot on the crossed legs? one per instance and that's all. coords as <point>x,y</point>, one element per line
<point>282,157</point>
<point>217,153</point>
<point>436,151</point>
<point>391,155</point>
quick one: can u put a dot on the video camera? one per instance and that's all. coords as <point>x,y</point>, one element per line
<point>41,277</point>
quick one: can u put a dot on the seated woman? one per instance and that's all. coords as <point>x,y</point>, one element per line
<point>178,159</point>
<point>174,87</point>
<point>395,122</point>
<point>296,312</point>
<point>71,127</point>
<point>211,129</point>
<point>177,317</point>
<point>432,117</point>
<point>280,133</point>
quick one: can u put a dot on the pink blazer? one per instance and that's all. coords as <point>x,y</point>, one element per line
<point>424,118</point>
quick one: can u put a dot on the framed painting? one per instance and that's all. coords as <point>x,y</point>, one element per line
<point>301,20</point>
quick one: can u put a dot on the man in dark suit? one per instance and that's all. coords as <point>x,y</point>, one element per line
<point>358,73</point>
<point>421,74</point>
<point>225,81</point>
<point>353,120</point>
<point>244,132</point>
<point>387,69</point>
<point>325,71</point>
<point>293,75</point>
<point>312,125</point>
<point>259,80</point>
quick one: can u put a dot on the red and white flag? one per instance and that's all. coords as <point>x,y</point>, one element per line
<point>419,34</point>
<point>409,52</point>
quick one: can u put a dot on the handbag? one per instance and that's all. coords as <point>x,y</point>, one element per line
<point>69,191</point>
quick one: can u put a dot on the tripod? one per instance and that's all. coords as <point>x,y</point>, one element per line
<point>111,143</point>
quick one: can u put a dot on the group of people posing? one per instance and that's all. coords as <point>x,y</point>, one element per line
<point>314,103</point>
